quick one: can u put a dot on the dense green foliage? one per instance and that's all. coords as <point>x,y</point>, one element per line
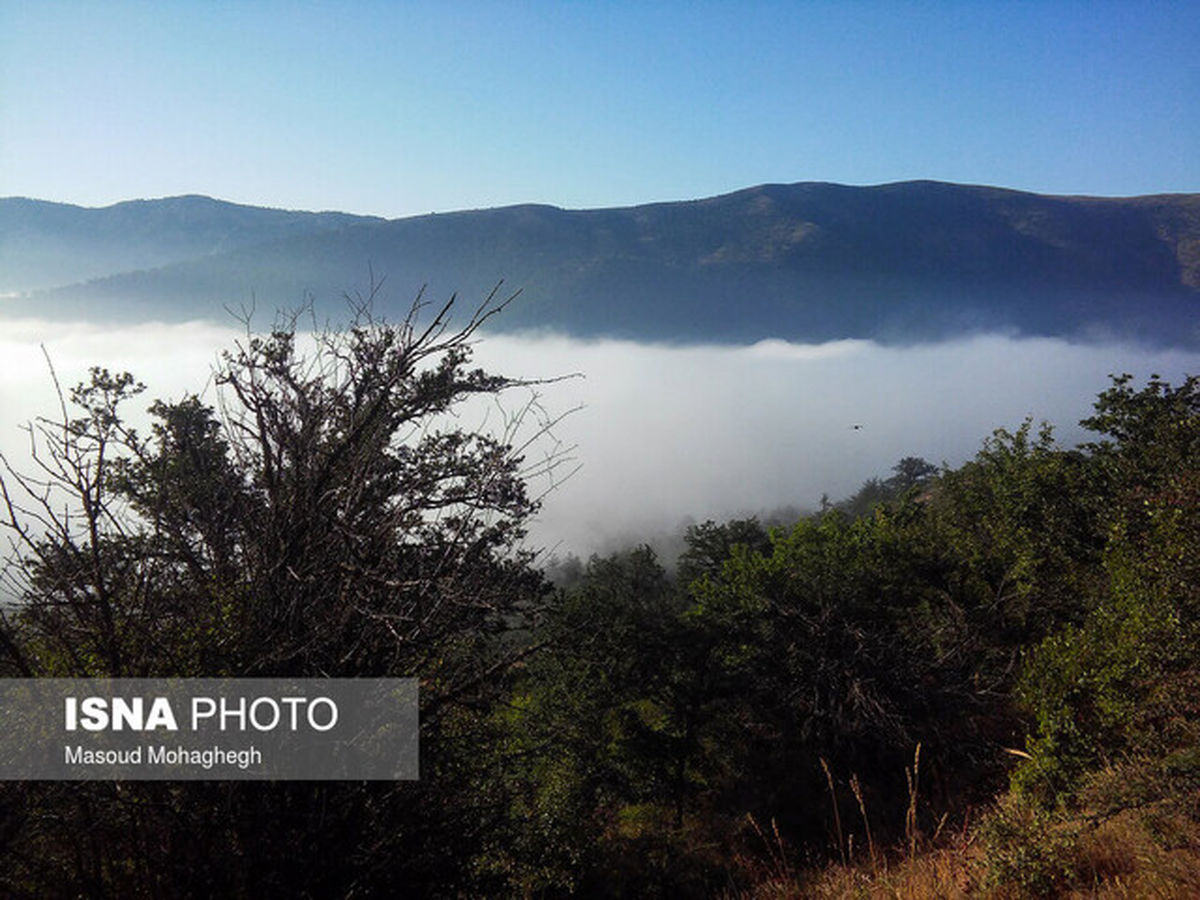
<point>1036,602</point>
<point>1126,679</point>
<point>622,734</point>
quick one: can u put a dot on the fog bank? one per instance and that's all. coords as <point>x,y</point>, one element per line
<point>665,433</point>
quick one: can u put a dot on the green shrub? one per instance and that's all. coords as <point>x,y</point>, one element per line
<point>1029,849</point>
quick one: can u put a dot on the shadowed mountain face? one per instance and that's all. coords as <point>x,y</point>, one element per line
<point>899,262</point>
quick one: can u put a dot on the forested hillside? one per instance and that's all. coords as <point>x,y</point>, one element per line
<point>999,660</point>
<point>867,684</point>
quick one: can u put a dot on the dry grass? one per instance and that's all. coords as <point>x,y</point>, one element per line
<point>1135,835</point>
<point>949,872</point>
<point>1151,852</point>
<point>1120,859</point>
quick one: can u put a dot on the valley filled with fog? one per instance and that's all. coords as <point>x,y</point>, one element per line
<point>661,435</point>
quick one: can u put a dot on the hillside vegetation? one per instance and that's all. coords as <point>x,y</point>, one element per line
<point>979,680</point>
<point>985,676</point>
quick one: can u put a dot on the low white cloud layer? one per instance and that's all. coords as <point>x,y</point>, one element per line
<point>665,433</point>
<point>705,432</point>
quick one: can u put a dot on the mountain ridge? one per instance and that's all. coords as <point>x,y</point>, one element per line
<point>807,261</point>
<point>44,242</point>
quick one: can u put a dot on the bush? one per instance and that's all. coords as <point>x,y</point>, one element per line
<point>1029,849</point>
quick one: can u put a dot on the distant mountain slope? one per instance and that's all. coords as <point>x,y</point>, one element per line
<point>44,245</point>
<point>807,261</point>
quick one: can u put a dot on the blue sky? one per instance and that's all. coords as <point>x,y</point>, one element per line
<point>398,108</point>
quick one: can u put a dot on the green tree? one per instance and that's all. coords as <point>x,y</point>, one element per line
<point>1025,517</point>
<point>911,472</point>
<point>709,545</point>
<point>622,725</point>
<point>820,644</point>
<point>1124,680</point>
<point>1148,434</point>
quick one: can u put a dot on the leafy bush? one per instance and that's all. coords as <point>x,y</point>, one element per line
<point>1029,849</point>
